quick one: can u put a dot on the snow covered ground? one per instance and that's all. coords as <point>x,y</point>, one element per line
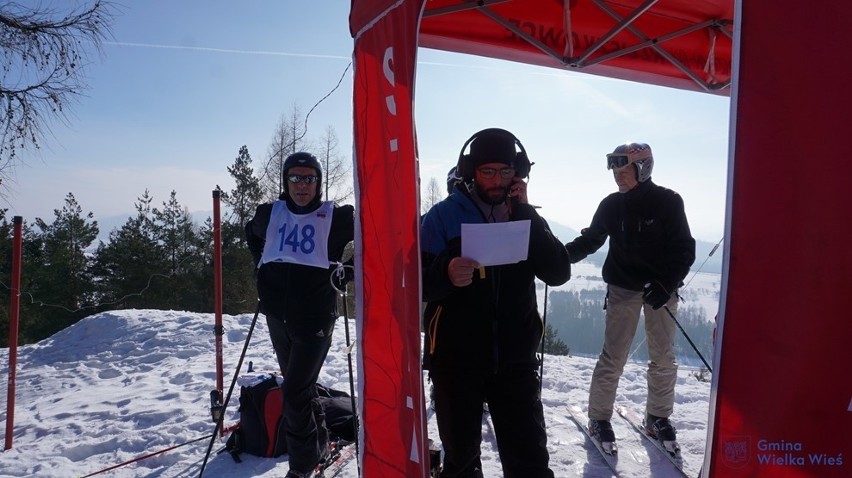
<point>122,385</point>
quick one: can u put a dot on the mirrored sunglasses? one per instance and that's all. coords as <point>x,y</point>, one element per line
<point>295,178</point>
<point>489,173</point>
<point>616,161</point>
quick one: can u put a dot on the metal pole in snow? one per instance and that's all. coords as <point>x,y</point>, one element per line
<point>14,313</point>
<point>219,329</point>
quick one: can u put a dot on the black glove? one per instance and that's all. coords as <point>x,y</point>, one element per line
<point>656,295</point>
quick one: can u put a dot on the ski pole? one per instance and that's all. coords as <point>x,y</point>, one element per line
<point>340,273</point>
<point>712,251</point>
<point>351,380</point>
<point>221,417</point>
<point>543,340</point>
<point>149,455</point>
<point>688,339</point>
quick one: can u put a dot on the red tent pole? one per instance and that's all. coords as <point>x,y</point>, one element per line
<point>217,290</point>
<point>14,310</point>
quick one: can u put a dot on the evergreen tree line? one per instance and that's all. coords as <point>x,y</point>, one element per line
<point>158,259</point>
<point>578,319</point>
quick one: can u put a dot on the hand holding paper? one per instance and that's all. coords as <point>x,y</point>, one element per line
<point>460,270</point>
<point>495,244</point>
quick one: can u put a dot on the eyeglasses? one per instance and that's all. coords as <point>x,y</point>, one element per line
<point>295,178</point>
<point>616,160</point>
<point>488,173</point>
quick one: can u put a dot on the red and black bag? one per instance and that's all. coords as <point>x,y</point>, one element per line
<point>260,431</point>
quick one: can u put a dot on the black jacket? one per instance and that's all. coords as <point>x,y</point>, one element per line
<point>302,295</point>
<point>493,322</point>
<point>649,238</point>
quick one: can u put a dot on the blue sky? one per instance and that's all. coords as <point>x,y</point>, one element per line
<point>182,85</point>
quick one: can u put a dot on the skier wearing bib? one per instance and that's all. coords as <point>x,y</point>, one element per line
<point>296,242</point>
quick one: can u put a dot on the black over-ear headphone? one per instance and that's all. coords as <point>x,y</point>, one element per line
<point>521,163</point>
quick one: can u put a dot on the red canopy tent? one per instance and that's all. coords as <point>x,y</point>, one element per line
<point>785,236</point>
<point>683,44</point>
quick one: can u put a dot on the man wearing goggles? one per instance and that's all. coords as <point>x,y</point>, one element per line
<point>297,243</point>
<point>650,252</point>
<point>641,159</point>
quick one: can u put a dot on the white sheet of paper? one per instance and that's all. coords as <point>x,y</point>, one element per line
<point>494,244</point>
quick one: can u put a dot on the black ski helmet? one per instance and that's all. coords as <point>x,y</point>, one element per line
<point>307,160</point>
<point>638,154</point>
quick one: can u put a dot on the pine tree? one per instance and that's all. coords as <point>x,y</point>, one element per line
<point>239,294</point>
<point>6,237</point>
<point>247,193</point>
<point>61,276</point>
<point>131,261</point>
<point>176,235</point>
<point>553,345</point>
<point>29,316</point>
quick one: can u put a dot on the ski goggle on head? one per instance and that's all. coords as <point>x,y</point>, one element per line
<point>616,160</point>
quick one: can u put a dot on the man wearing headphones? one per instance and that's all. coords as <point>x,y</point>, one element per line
<point>483,329</point>
<point>295,241</point>
<point>650,252</point>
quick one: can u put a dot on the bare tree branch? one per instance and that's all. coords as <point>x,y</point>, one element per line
<point>43,56</point>
<point>286,140</point>
<point>434,195</point>
<point>337,179</point>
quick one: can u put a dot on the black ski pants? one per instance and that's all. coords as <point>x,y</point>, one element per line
<point>516,413</point>
<point>301,356</point>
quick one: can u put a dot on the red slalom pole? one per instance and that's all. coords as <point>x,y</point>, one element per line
<point>219,329</point>
<point>14,313</point>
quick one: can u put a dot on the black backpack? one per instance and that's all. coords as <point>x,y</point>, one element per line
<point>339,416</point>
<point>260,431</point>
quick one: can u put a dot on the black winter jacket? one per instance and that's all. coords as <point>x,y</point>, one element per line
<point>649,238</point>
<point>492,323</point>
<point>302,295</point>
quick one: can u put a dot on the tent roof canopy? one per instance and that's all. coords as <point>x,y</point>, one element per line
<point>682,44</point>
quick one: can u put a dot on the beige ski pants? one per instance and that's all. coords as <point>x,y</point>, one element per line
<point>622,317</point>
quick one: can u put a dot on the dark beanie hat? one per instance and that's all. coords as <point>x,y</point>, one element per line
<point>493,146</point>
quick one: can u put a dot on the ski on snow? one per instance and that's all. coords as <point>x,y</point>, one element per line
<point>636,423</point>
<point>337,460</point>
<point>344,455</point>
<point>581,421</point>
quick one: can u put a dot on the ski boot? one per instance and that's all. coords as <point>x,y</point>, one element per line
<point>601,430</point>
<point>661,429</point>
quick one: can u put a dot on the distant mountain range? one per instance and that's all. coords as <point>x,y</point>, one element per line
<point>713,263</point>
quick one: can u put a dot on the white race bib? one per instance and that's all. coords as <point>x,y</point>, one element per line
<point>298,238</point>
